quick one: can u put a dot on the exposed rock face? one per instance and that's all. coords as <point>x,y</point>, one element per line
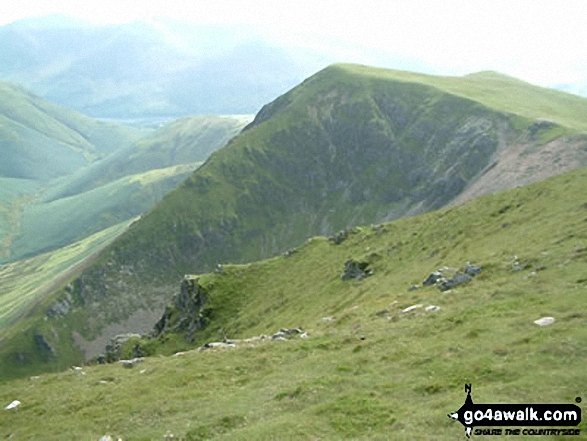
<point>187,313</point>
<point>43,345</point>
<point>61,307</point>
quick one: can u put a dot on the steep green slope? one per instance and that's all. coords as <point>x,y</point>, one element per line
<point>27,282</point>
<point>182,141</point>
<point>341,149</point>
<point>49,225</point>
<point>371,371</point>
<point>106,192</point>
<point>40,140</point>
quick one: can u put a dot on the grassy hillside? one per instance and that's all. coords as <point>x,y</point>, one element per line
<point>49,225</point>
<point>497,91</point>
<point>371,371</point>
<point>341,149</point>
<point>25,290</point>
<point>126,183</point>
<point>40,140</point>
<point>182,141</point>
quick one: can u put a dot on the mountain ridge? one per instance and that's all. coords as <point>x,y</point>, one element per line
<point>334,152</point>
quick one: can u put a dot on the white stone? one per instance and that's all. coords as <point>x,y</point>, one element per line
<point>13,405</point>
<point>544,321</point>
<point>412,308</point>
<point>432,308</point>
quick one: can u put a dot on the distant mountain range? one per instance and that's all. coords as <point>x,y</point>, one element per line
<point>350,145</point>
<point>142,70</point>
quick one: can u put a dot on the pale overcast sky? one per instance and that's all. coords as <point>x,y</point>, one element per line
<point>542,42</point>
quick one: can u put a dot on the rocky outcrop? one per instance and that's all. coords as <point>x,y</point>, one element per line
<point>356,270</point>
<point>187,314</point>
<point>114,346</point>
<point>444,282</point>
<point>43,345</point>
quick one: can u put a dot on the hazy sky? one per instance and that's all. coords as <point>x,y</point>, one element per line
<point>540,41</point>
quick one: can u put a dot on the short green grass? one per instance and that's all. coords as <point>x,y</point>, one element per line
<point>373,373</point>
<point>497,91</point>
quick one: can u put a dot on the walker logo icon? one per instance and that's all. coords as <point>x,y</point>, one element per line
<point>491,415</point>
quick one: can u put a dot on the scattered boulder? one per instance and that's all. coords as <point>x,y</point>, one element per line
<point>130,363</point>
<point>114,346</point>
<point>432,278</point>
<point>291,331</point>
<point>432,308</point>
<point>412,308</point>
<point>356,270</point>
<point>472,270</point>
<point>342,235</point>
<point>12,405</point>
<point>218,270</point>
<point>413,288</point>
<point>218,344</point>
<point>327,319</point>
<point>290,252</point>
<point>458,279</point>
<point>545,321</point>
<point>439,277</point>
<point>278,335</point>
<point>279,338</point>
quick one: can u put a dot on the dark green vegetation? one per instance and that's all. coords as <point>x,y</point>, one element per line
<point>349,146</point>
<point>373,372</point>
<point>140,70</point>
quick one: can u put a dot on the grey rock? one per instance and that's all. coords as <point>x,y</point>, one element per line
<point>356,270</point>
<point>413,288</point>
<point>218,344</point>
<point>472,270</point>
<point>458,279</point>
<point>114,346</point>
<point>130,363</point>
<point>62,306</point>
<point>290,252</point>
<point>432,278</point>
<point>187,314</point>
<point>342,235</point>
<point>291,331</point>
<point>43,345</point>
